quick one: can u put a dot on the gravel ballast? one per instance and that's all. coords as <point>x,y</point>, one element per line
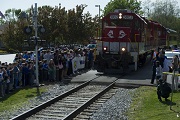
<point>115,107</point>
<point>112,109</point>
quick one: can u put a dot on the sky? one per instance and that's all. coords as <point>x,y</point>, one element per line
<point>68,4</point>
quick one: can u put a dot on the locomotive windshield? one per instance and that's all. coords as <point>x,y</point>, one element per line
<point>119,23</point>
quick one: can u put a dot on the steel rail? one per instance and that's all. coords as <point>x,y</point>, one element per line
<point>89,102</point>
<point>33,111</point>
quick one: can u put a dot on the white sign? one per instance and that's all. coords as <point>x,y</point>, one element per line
<point>129,17</point>
<point>114,17</point>
<point>121,34</point>
<point>110,34</point>
<point>74,64</point>
<point>78,63</point>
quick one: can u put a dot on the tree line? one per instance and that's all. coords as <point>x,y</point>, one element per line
<point>61,26</point>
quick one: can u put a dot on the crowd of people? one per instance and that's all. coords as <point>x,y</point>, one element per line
<point>56,65</point>
<point>160,65</point>
<point>53,65</point>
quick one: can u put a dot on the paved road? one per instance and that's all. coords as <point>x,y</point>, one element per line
<point>140,77</point>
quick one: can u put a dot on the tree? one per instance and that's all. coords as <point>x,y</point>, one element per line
<point>62,26</point>
<point>166,13</point>
<point>47,19</point>
<point>147,5</point>
<point>2,21</point>
<point>13,37</point>
<point>133,5</point>
<point>78,24</point>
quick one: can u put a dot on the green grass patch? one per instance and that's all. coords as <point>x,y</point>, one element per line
<point>18,98</point>
<point>146,106</point>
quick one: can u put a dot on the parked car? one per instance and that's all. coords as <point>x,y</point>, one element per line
<point>171,54</point>
<point>91,46</point>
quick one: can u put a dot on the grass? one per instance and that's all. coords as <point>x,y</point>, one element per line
<point>18,98</point>
<point>145,106</point>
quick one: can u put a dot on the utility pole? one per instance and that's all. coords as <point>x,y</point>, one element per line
<point>99,20</point>
<point>36,43</point>
<point>28,30</point>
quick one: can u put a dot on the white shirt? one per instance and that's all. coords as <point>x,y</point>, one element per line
<point>166,65</point>
<point>159,71</point>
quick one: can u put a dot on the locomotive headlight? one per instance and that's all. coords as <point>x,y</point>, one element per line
<point>120,15</point>
<point>104,48</point>
<point>123,49</point>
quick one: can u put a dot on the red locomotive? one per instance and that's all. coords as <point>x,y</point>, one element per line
<point>127,40</point>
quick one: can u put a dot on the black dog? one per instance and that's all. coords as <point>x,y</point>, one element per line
<point>163,90</point>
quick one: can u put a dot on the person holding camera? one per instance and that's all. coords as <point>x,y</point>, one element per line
<point>175,68</point>
<point>163,90</point>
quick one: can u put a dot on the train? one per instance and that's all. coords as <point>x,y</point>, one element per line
<point>127,41</point>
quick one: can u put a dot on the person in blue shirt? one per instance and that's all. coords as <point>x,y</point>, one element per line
<point>90,59</point>
<point>25,56</point>
<point>45,65</point>
<point>25,74</point>
<point>45,70</point>
<point>154,68</point>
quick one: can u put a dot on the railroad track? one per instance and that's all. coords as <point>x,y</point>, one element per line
<point>74,104</point>
<point>86,113</point>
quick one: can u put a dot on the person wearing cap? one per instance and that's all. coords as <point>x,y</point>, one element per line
<point>25,55</point>
<point>60,67</point>
<point>158,71</point>
<point>47,56</point>
<point>65,64</point>
<point>5,77</point>
<point>16,74</point>
<point>51,70</point>
<point>154,53</point>
<point>8,79</point>
<point>1,83</point>
<point>25,74</point>
<point>45,70</point>
<point>31,72</point>
<point>175,67</point>
<point>69,64</point>
<point>154,68</point>
<point>163,90</point>
<point>90,59</point>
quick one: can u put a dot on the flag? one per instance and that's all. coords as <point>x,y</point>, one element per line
<point>1,14</point>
